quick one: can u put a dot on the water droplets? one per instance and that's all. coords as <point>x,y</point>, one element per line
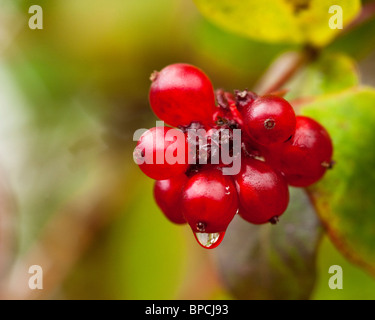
<point>209,240</point>
<point>227,190</point>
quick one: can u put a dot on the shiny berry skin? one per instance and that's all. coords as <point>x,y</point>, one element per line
<point>263,192</point>
<point>167,194</point>
<point>181,94</point>
<point>209,201</point>
<point>306,157</point>
<point>269,120</point>
<point>161,153</point>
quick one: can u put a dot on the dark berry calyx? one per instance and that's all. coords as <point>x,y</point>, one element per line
<point>269,124</point>
<point>223,99</point>
<point>201,226</point>
<point>274,220</point>
<point>328,164</point>
<point>244,98</point>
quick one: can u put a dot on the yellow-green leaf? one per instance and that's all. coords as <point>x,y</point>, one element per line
<point>290,21</point>
<point>330,73</point>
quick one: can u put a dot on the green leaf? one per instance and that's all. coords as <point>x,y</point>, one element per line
<point>272,262</point>
<point>344,198</point>
<point>330,73</point>
<point>290,21</point>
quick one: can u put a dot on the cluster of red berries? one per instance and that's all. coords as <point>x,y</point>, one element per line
<point>276,149</point>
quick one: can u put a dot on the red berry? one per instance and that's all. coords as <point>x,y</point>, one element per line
<point>181,94</point>
<point>306,157</point>
<point>272,155</point>
<point>161,153</point>
<point>269,119</point>
<point>276,148</point>
<point>209,201</point>
<point>263,193</point>
<point>167,195</point>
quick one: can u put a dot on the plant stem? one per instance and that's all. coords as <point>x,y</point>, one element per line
<point>283,69</point>
<point>289,64</point>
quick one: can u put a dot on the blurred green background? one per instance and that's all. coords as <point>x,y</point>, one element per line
<point>71,97</point>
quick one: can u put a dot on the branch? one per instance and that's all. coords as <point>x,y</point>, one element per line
<point>283,69</point>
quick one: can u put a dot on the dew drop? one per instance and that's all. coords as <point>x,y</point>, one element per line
<point>209,240</point>
<point>227,190</point>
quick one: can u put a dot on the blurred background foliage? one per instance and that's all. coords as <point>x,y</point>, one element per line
<point>71,97</point>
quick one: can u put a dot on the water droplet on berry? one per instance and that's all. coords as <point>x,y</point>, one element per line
<point>209,240</point>
<point>227,190</point>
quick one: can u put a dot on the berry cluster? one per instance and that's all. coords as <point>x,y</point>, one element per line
<point>275,149</point>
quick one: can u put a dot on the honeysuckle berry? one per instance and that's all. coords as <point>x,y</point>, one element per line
<point>307,156</point>
<point>167,194</point>
<point>269,120</point>
<point>262,192</point>
<point>181,94</point>
<point>161,153</point>
<point>209,201</point>
<point>276,148</point>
